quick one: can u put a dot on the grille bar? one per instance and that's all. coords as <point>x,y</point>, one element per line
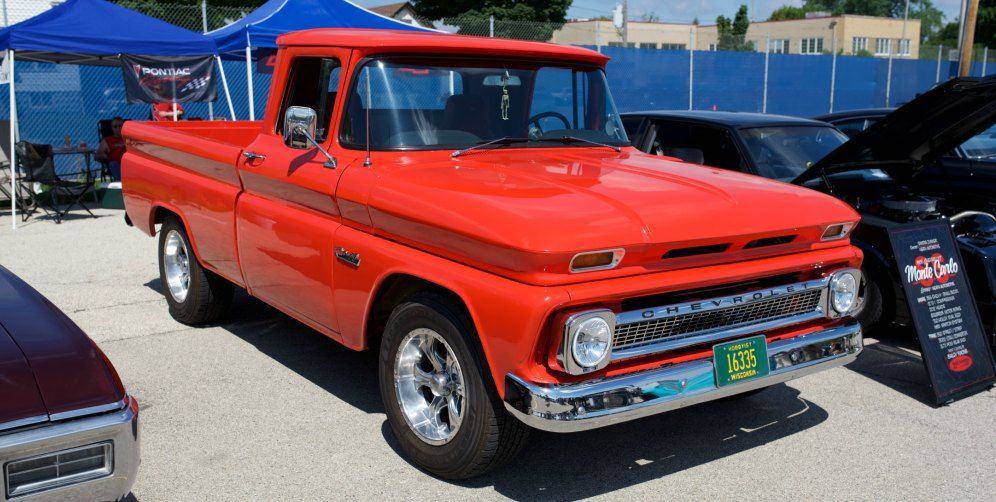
<point>675,326</point>
<point>60,468</point>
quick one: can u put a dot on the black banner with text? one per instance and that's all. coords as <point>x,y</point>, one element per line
<point>954,346</point>
<point>168,79</point>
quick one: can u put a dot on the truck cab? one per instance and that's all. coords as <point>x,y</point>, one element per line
<point>472,209</point>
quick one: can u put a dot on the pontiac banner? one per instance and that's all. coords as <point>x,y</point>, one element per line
<point>168,79</point>
<point>953,343</point>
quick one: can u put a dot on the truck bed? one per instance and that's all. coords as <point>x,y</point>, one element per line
<point>188,168</point>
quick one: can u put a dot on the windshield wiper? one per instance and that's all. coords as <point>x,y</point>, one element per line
<point>575,139</point>
<point>504,141</point>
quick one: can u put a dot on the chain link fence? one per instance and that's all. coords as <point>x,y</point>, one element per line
<point>653,65</point>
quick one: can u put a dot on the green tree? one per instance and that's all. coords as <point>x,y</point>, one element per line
<point>473,16</point>
<point>187,13</point>
<point>985,27</point>
<point>733,34</point>
<point>787,12</point>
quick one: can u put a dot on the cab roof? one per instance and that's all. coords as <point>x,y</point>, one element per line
<point>394,41</point>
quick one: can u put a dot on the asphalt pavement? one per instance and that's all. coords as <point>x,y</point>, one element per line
<point>263,408</point>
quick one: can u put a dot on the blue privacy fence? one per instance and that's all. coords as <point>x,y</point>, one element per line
<point>796,84</point>
<point>59,100</point>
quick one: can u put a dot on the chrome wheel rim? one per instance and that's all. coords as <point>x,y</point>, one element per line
<point>430,386</point>
<point>177,266</point>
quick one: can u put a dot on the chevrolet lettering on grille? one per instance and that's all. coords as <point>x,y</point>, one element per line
<point>681,325</point>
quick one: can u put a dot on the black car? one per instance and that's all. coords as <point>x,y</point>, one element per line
<point>969,169</point>
<point>887,172</point>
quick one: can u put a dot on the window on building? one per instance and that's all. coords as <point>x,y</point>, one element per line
<point>616,44</point>
<point>778,46</point>
<point>811,46</point>
<point>648,45</point>
<point>859,44</point>
<point>713,47</point>
<point>673,47</point>
<point>882,46</point>
<point>904,47</point>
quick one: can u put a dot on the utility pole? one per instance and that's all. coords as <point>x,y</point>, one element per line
<point>625,20</point>
<point>968,38</point>
<point>906,18</point>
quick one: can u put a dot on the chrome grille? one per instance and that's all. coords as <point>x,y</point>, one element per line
<point>56,469</point>
<point>668,329</point>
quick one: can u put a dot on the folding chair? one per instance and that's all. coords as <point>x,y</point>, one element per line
<point>38,165</point>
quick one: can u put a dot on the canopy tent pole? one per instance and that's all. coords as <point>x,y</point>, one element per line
<point>252,106</point>
<point>13,141</point>
<point>224,84</point>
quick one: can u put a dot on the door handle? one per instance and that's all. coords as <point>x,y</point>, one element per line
<point>253,156</point>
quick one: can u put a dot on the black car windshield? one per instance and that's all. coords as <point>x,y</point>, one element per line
<point>434,105</point>
<point>784,152</point>
<point>982,146</point>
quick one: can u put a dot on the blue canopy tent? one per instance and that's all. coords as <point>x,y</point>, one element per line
<point>262,27</point>
<point>93,32</point>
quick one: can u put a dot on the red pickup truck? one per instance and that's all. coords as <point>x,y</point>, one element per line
<point>472,209</point>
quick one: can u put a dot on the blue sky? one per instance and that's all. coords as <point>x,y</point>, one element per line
<point>686,10</point>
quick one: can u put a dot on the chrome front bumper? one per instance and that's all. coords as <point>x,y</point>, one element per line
<point>598,403</point>
<point>118,427</point>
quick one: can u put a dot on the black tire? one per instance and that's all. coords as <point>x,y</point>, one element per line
<point>488,436</point>
<point>208,295</point>
<point>871,315</point>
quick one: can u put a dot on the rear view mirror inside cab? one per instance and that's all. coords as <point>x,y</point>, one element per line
<point>501,81</point>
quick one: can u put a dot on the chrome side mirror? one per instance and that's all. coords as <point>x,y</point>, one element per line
<point>300,123</point>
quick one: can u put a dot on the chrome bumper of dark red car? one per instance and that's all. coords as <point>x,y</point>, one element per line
<point>598,403</point>
<point>94,457</point>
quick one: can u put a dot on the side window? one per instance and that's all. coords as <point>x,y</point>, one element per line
<point>695,143</point>
<point>850,127</point>
<point>314,83</point>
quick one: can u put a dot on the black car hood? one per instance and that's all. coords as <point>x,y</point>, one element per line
<point>927,127</point>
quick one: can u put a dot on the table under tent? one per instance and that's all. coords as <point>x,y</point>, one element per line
<point>91,32</point>
<point>261,27</point>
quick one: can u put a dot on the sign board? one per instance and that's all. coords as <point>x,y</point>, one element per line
<point>266,61</point>
<point>952,341</point>
<point>168,79</point>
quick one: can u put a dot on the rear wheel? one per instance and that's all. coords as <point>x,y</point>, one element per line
<point>440,400</point>
<point>195,295</point>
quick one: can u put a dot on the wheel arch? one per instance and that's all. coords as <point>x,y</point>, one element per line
<point>161,212</point>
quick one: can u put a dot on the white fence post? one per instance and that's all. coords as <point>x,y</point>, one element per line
<point>940,50</point>
<point>691,65</point>
<point>764,92</point>
<point>598,36</point>
<point>491,27</point>
<point>833,70</point>
<point>204,28</point>
<point>985,59</point>
<point>888,78</point>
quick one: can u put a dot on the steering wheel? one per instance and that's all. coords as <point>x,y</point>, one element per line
<point>540,116</point>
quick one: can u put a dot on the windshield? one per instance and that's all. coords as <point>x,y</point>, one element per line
<point>982,146</point>
<point>419,104</point>
<point>784,152</point>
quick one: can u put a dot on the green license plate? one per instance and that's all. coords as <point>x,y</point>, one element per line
<point>740,360</point>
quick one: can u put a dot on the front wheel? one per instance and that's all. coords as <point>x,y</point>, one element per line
<point>440,400</point>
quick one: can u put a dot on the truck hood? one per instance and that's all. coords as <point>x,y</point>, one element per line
<point>927,127</point>
<point>50,360</point>
<point>529,211</point>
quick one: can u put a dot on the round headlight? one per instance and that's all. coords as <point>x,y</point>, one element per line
<point>843,292</point>
<point>590,344</point>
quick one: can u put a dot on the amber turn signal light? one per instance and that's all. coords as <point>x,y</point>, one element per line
<point>836,231</point>
<point>596,260</point>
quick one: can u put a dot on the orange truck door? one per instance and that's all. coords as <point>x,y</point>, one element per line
<point>287,216</point>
